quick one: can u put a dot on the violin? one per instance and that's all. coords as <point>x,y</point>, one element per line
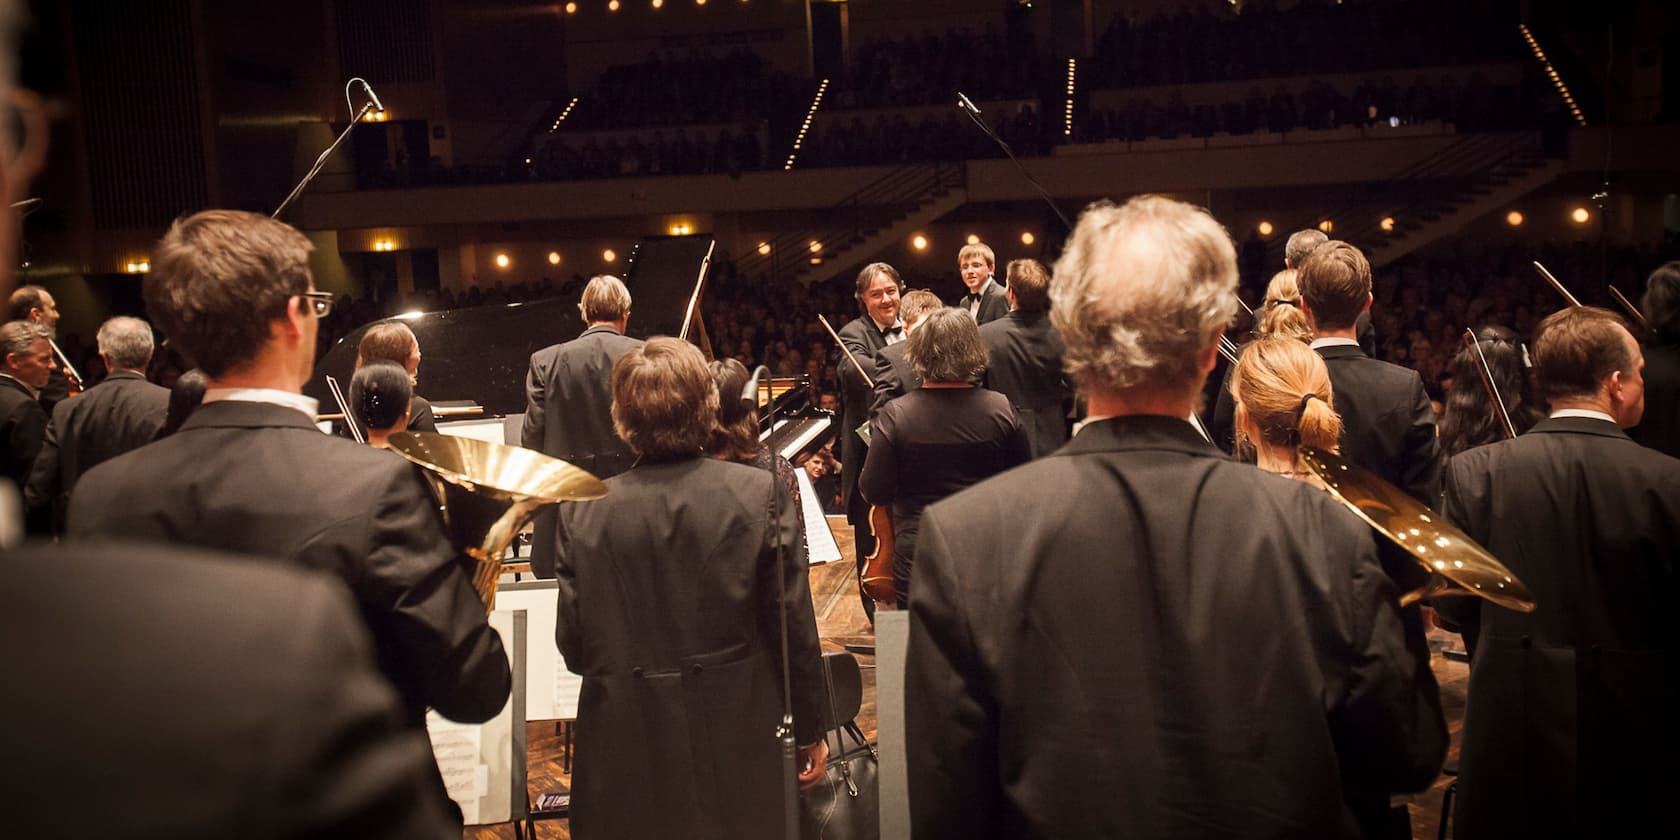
<point>876,577</point>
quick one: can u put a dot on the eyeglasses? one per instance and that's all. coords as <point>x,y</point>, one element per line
<point>321,302</point>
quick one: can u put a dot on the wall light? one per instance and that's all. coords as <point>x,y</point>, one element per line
<point>1387,224</point>
<point>764,248</point>
<point>1265,228</point>
<point>553,257</point>
<point>972,239</point>
<point>503,261</point>
<point>1579,215</point>
<point>919,242</point>
<point>1326,226</point>
<point>1514,219</point>
<point>816,247</point>
<point>571,8</point>
<point>1027,237</point>
<point>612,5</point>
<point>658,4</point>
<point>609,255</point>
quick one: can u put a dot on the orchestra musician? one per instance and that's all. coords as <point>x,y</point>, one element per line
<point>736,438</point>
<point>33,303</point>
<point>668,609</point>
<point>26,359</point>
<point>941,437</point>
<point>381,398</point>
<point>1660,428</point>
<point>1094,644</point>
<point>1570,727</point>
<point>394,342</point>
<point>877,290</point>
<point>1024,358</point>
<point>894,375</point>
<point>1279,315</point>
<point>985,301</point>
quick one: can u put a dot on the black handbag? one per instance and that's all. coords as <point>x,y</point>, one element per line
<point>846,804</point>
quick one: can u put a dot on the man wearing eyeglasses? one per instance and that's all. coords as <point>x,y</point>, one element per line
<point>249,472</point>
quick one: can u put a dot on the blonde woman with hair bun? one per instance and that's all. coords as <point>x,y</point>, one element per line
<point>1281,316</point>
<point>1281,389</point>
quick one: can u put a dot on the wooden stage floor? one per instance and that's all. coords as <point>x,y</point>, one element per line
<point>841,620</point>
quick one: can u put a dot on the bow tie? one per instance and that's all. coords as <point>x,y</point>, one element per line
<point>895,329</point>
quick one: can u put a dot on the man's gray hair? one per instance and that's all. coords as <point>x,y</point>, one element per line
<point>1301,244</point>
<point>20,336</point>
<point>604,299</point>
<point>1140,290</point>
<point>126,342</point>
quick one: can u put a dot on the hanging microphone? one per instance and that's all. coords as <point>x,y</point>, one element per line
<point>368,89</point>
<point>749,394</point>
<point>964,103</point>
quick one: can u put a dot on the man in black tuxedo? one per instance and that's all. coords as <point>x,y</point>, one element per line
<point>198,695</point>
<point>249,472</point>
<point>121,413</point>
<point>877,291</point>
<point>1024,354</point>
<point>1388,424</point>
<point>894,375</point>
<point>1094,646</point>
<point>568,401</point>
<point>33,303</point>
<point>1570,727</point>
<point>985,299</point>
<point>26,359</point>
<point>1660,427</point>
<point>392,341</point>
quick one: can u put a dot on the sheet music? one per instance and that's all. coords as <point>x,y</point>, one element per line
<point>458,747</point>
<point>819,539</point>
<point>552,691</point>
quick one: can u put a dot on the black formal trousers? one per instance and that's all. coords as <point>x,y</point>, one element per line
<point>568,414</point>
<point>162,691</point>
<point>1097,650</point>
<point>1388,424</point>
<point>120,414</point>
<point>1024,363</point>
<point>1570,728</point>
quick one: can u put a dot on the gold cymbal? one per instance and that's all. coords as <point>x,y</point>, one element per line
<point>1443,550</point>
<point>498,471</point>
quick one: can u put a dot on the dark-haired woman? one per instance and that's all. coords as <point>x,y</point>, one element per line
<point>1470,418</point>
<point>736,438</point>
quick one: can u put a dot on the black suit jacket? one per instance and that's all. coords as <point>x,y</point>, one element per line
<point>1024,363</point>
<point>1570,729</point>
<point>260,479</point>
<point>894,375</point>
<point>1660,427</point>
<point>668,609</point>
<point>200,696</point>
<point>994,303</point>
<point>57,389</point>
<point>23,427</point>
<point>1388,425</point>
<point>1095,649</point>
<point>568,414</point>
<point>420,417</point>
<point>864,340</point>
<point>120,414</point>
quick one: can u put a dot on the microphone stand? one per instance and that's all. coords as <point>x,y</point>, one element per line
<point>321,161</point>
<point>784,730</point>
<point>974,114</point>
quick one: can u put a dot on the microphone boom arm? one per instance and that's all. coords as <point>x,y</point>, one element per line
<point>974,114</point>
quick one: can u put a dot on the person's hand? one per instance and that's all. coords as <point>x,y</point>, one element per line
<point>812,763</point>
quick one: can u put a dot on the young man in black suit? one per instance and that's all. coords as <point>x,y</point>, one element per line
<point>121,413</point>
<point>1135,633</point>
<point>568,401</point>
<point>985,299</point>
<point>877,290</point>
<point>1024,355</point>
<point>894,375</point>
<point>1570,727</point>
<point>1388,424</point>
<point>249,472</point>
<point>26,359</point>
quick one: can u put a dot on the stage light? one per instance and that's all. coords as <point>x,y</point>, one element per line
<point>681,229</point>
<point>1266,228</point>
<point>1387,224</point>
<point>571,8</point>
<point>609,255</point>
<point>919,242</point>
<point>1326,226</point>
<point>1514,219</point>
<point>503,261</point>
<point>1579,215</point>
<point>553,257</point>
<point>816,247</point>
<point>140,266</point>
<point>973,239</point>
<point>1027,237</point>
<point>764,248</point>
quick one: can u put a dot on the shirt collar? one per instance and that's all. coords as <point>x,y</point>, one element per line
<point>273,396</point>
<point>1095,418</point>
<point>1333,342</point>
<point>34,393</point>
<point>1582,412</point>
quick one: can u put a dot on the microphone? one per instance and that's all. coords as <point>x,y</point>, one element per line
<point>964,103</point>
<point>749,394</point>
<point>368,89</point>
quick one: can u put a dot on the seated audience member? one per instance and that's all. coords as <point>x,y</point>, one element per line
<point>380,394</point>
<point>236,698</point>
<point>249,472</point>
<point>1083,651</point>
<point>894,375</point>
<point>184,399</point>
<point>26,358</point>
<point>1660,428</point>
<point>1024,358</point>
<point>394,342</point>
<point>668,610</point>
<point>1569,729</point>
<point>940,438</point>
<point>121,413</point>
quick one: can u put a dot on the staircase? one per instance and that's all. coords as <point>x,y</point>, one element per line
<point>861,226</point>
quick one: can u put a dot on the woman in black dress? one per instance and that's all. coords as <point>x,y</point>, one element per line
<point>940,438</point>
